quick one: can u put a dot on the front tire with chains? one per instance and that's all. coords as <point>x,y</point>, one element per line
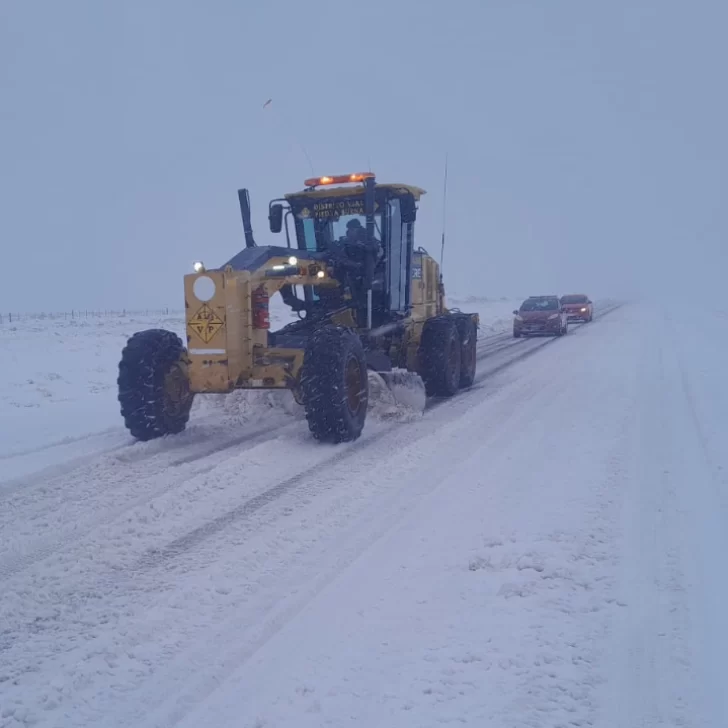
<point>154,391</point>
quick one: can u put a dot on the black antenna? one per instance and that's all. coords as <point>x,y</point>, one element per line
<point>444,218</point>
<point>308,159</point>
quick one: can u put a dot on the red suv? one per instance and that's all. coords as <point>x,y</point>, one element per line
<point>540,315</point>
<point>578,307</point>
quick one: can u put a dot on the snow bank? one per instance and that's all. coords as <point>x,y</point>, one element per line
<point>496,314</point>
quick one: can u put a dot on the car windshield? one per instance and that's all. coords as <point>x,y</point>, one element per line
<point>540,304</point>
<point>574,299</point>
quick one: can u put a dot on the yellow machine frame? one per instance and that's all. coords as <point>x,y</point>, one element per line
<point>226,351</point>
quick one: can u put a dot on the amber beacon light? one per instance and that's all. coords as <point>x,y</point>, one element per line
<point>339,179</point>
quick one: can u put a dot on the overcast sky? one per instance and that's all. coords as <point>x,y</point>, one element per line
<point>586,138</point>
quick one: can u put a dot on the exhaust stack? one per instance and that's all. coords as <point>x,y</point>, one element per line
<point>244,199</point>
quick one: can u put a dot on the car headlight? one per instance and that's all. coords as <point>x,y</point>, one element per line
<point>583,310</point>
<point>519,318</point>
<point>553,316</point>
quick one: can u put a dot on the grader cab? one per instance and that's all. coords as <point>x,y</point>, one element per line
<point>369,304</point>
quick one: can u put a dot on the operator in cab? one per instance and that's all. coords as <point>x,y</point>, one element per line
<point>350,255</point>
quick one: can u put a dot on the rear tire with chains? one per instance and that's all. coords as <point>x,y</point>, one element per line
<point>441,357</point>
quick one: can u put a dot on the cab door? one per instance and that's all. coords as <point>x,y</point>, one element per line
<point>399,258</point>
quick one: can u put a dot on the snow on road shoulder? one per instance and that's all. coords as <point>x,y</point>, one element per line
<point>693,512</point>
<point>59,381</point>
<point>496,314</point>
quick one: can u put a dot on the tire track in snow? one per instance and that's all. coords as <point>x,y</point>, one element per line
<point>261,500</point>
<point>136,451</point>
<point>56,443</point>
<point>247,508</point>
<point>384,510</point>
<point>18,559</point>
<point>537,343</point>
<point>132,451</point>
<point>197,447</point>
<point>330,480</point>
<point>190,540</point>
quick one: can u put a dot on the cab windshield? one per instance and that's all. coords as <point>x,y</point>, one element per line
<point>319,233</point>
<point>573,299</point>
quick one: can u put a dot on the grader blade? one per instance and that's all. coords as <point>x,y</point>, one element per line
<point>397,394</point>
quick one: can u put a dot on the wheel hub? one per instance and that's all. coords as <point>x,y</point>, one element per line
<point>176,391</point>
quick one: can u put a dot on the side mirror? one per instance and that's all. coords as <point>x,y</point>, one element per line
<point>275,218</point>
<point>589,303</point>
<point>515,313</point>
<point>408,208</point>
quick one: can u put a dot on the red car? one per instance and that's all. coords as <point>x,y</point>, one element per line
<point>540,315</point>
<point>578,307</point>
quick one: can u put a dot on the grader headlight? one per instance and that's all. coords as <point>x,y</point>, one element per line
<point>316,271</point>
<point>204,289</point>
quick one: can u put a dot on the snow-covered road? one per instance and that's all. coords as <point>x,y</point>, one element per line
<point>543,550</point>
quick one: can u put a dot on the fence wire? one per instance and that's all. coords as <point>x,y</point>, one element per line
<point>10,317</point>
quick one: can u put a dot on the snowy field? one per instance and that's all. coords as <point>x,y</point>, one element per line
<point>543,550</point>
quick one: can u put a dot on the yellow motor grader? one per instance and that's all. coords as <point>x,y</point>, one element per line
<point>367,301</point>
